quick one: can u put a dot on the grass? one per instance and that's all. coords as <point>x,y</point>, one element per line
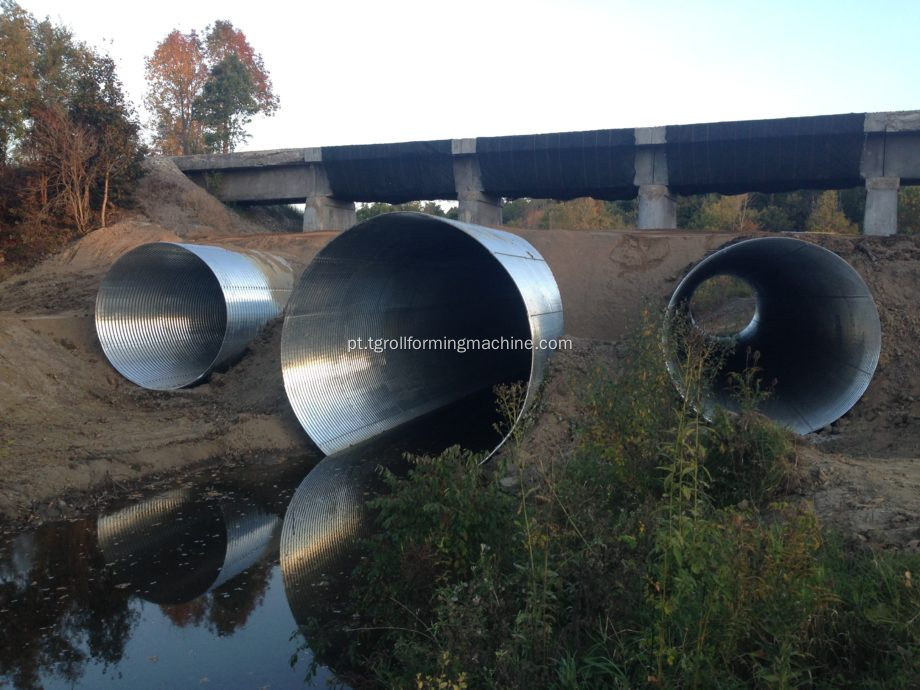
<point>661,554</point>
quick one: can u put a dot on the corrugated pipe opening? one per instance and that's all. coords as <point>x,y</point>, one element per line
<point>168,314</point>
<point>814,324</point>
<point>352,348</point>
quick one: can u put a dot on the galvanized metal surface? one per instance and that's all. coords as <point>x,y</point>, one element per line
<point>167,313</point>
<point>816,328</point>
<point>418,276</point>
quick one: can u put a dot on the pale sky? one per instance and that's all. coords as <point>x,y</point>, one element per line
<point>366,72</point>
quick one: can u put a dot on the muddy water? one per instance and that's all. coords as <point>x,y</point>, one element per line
<point>178,587</point>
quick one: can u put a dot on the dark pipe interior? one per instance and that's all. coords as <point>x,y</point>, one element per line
<point>816,328</point>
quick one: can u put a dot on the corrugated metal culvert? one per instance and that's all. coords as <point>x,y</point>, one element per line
<point>167,314</point>
<point>815,326</point>
<point>353,367</point>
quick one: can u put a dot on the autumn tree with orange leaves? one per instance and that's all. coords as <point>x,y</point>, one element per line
<point>183,68</point>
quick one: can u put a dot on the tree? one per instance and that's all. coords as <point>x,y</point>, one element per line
<point>909,210</point>
<point>577,214</point>
<point>195,85</point>
<point>728,213</point>
<point>222,41</point>
<point>226,105</point>
<point>64,150</point>
<point>41,62</point>
<point>17,79</point>
<point>176,74</point>
<point>826,216</point>
<point>377,208</point>
<point>68,136</point>
<point>580,214</point>
<point>100,106</point>
<point>523,212</point>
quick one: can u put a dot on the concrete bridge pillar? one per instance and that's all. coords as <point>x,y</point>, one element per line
<point>475,206</point>
<point>881,215</point>
<point>657,207</point>
<point>322,211</point>
<point>327,213</point>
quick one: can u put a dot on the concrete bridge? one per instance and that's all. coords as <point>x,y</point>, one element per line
<point>878,150</point>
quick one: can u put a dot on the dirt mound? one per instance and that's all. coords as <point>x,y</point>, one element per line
<point>885,423</point>
<point>168,198</point>
<point>71,422</point>
<point>873,502</point>
<point>550,425</point>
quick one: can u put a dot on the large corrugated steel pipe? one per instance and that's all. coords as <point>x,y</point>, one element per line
<point>409,278</point>
<point>167,314</point>
<point>814,325</point>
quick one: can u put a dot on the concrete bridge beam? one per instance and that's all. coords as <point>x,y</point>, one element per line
<point>881,150</point>
<point>475,206</point>
<point>881,215</point>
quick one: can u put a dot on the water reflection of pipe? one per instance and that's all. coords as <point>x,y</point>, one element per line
<point>328,516</point>
<point>324,523</point>
<point>178,545</point>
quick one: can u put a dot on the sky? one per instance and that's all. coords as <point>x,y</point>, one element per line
<point>368,72</point>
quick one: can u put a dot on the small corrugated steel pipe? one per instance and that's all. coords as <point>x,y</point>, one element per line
<point>177,545</point>
<point>410,275</point>
<point>168,314</point>
<point>815,326</point>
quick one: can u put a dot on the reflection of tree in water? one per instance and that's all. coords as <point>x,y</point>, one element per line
<point>227,608</point>
<point>63,611</point>
<point>190,613</point>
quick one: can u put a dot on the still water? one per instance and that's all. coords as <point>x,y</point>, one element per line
<point>201,582</point>
<point>179,587</point>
